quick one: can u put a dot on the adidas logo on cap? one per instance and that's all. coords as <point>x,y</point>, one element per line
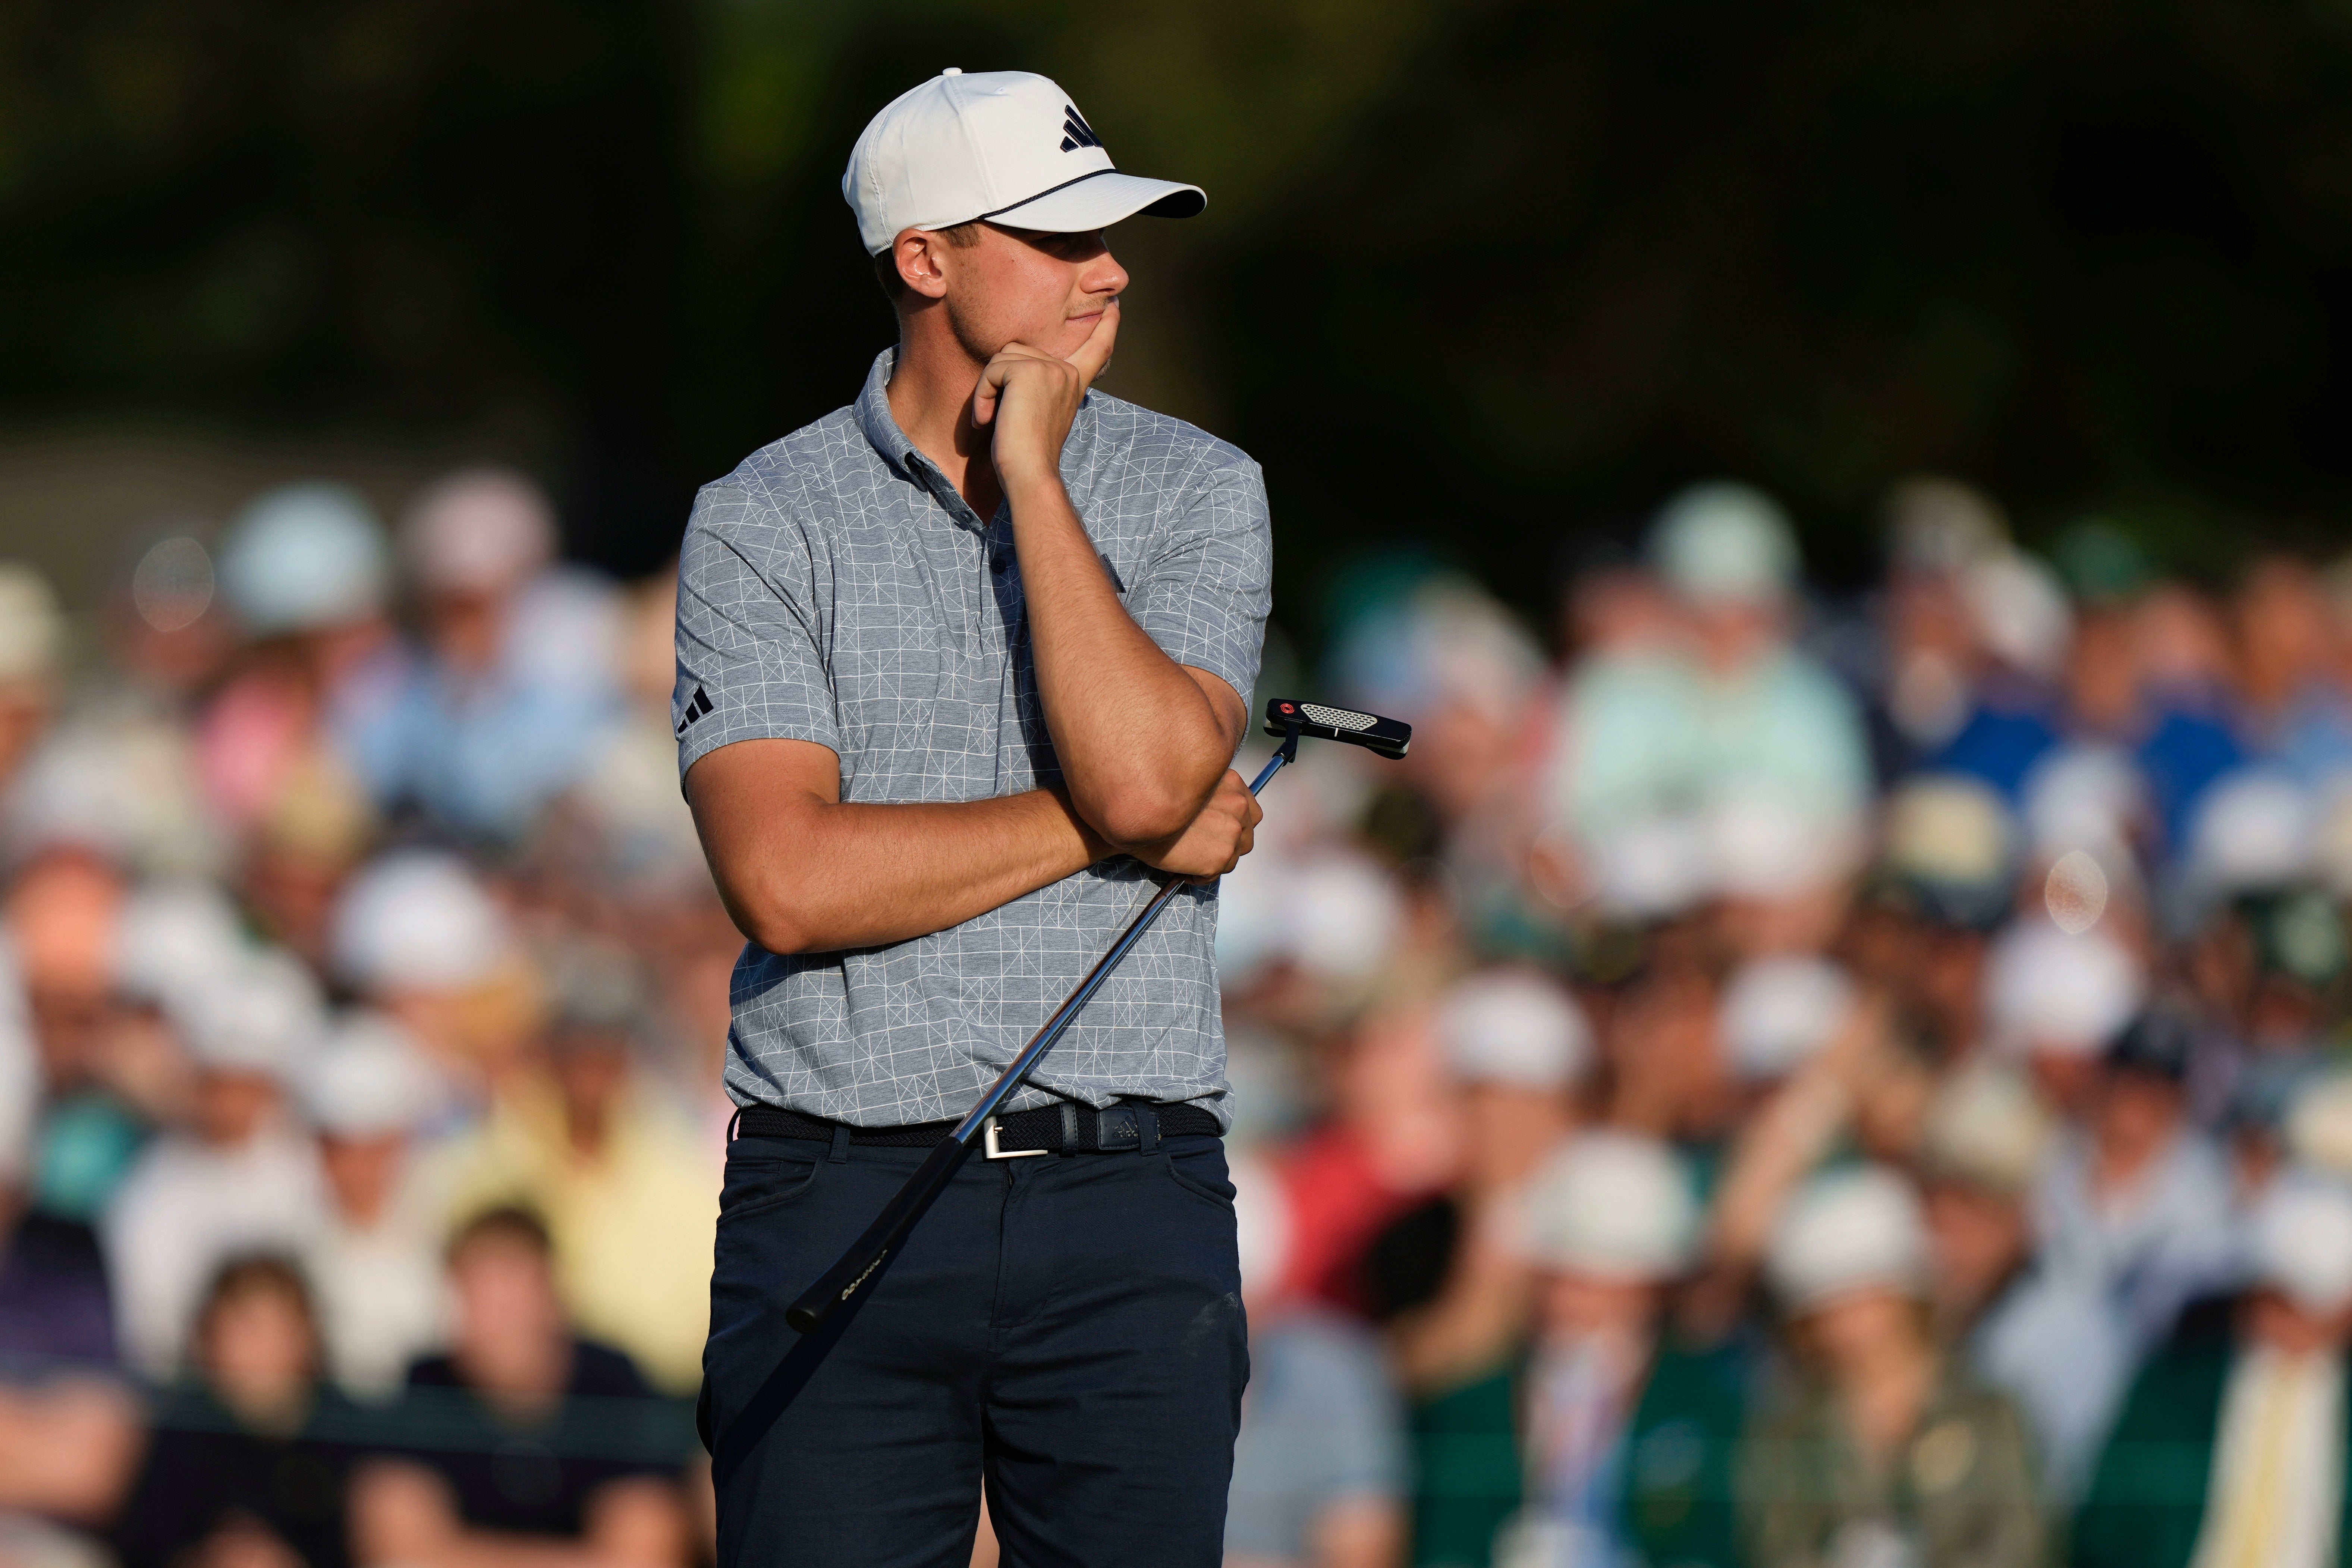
<point>1076,131</point>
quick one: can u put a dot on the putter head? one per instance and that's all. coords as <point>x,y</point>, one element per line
<point>1318,721</point>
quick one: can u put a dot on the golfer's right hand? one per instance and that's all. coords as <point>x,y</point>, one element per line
<point>1032,397</point>
<point>1218,837</point>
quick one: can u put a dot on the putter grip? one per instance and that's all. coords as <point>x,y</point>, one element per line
<point>859,1266</point>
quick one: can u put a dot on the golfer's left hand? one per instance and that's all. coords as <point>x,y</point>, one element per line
<point>1217,838</point>
<point>1031,397</point>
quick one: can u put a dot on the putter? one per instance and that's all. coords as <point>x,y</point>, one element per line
<point>839,1286</point>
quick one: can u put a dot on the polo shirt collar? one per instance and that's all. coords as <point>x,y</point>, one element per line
<point>881,426</point>
<point>874,415</point>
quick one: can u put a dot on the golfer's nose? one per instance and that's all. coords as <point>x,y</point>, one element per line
<point>1104,275</point>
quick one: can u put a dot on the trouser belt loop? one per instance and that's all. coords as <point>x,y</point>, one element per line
<point>840,1143</point>
<point>1147,1127</point>
<point>733,1122</point>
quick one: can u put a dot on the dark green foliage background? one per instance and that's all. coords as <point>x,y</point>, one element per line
<point>1492,275</point>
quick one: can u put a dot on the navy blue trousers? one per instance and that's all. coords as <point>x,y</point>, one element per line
<point>1066,1330</point>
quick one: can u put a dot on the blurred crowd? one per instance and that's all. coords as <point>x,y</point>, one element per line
<point>361,988</point>
<point>1806,1083</point>
<point>1770,1081</point>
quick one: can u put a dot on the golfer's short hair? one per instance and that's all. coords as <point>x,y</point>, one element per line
<point>506,1222</point>
<point>963,236</point>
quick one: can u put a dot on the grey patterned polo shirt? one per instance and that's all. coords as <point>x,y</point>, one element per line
<point>836,589</point>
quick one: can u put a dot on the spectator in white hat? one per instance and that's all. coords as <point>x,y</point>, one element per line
<point>1444,656</point>
<point>172,938</point>
<point>1448,1276</point>
<point>2053,1344</point>
<point>2016,625</point>
<point>1516,1046</point>
<point>1320,1466</point>
<point>1610,1226</point>
<point>373,1268</point>
<point>1985,1136</point>
<point>1769,717</point>
<point>480,534</point>
<point>1777,1014</point>
<point>418,937</point>
<point>2056,1002</point>
<point>239,1177</point>
<point>307,575</point>
<point>1947,877</point>
<point>1937,531</point>
<point>1735,708</point>
<point>1777,867</point>
<point>522,666</point>
<point>1892,1452</point>
<point>2231,1448</point>
<point>305,558</point>
<point>2135,1201</point>
<point>1819,1065</point>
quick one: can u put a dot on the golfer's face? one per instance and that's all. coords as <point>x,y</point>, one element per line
<point>1048,290</point>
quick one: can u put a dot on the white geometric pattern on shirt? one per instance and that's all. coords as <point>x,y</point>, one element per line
<point>834,588</point>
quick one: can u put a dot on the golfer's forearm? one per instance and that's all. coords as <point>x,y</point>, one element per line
<point>1139,743</point>
<point>825,876</point>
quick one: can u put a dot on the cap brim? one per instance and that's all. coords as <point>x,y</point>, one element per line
<point>1098,201</point>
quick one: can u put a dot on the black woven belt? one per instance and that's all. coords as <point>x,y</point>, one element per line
<point>1063,1129</point>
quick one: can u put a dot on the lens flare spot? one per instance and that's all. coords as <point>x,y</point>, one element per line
<point>173,586</point>
<point>2075,893</point>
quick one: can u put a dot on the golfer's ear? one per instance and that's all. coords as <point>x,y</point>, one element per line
<point>922,263</point>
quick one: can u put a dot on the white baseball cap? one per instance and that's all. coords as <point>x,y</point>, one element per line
<point>1777,1012</point>
<point>2052,993</point>
<point>477,530</point>
<point>2299,1237</point>
<point>262,1015</point>
<point>1721,543</point>
<point>367,1081</point>
<point>419,920</point>
<point>1008,146</point>
<point>1513,1028</point>
<point>303,557</point>
<point>1848,1231</point>
<point>1612,1204</point>
<point>173,938</point>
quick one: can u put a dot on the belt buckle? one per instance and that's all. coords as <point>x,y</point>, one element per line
<point>988,1145</point>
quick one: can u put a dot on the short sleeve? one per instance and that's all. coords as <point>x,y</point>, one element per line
<point>751,659</point>
<point>1205,591</point>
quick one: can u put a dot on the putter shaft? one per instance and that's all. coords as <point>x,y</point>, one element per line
<point>858,1266</point>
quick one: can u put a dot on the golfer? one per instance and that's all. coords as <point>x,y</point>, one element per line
<point>961,668</point>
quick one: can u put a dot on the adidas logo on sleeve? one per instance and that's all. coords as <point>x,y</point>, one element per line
<point>696,706</point>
